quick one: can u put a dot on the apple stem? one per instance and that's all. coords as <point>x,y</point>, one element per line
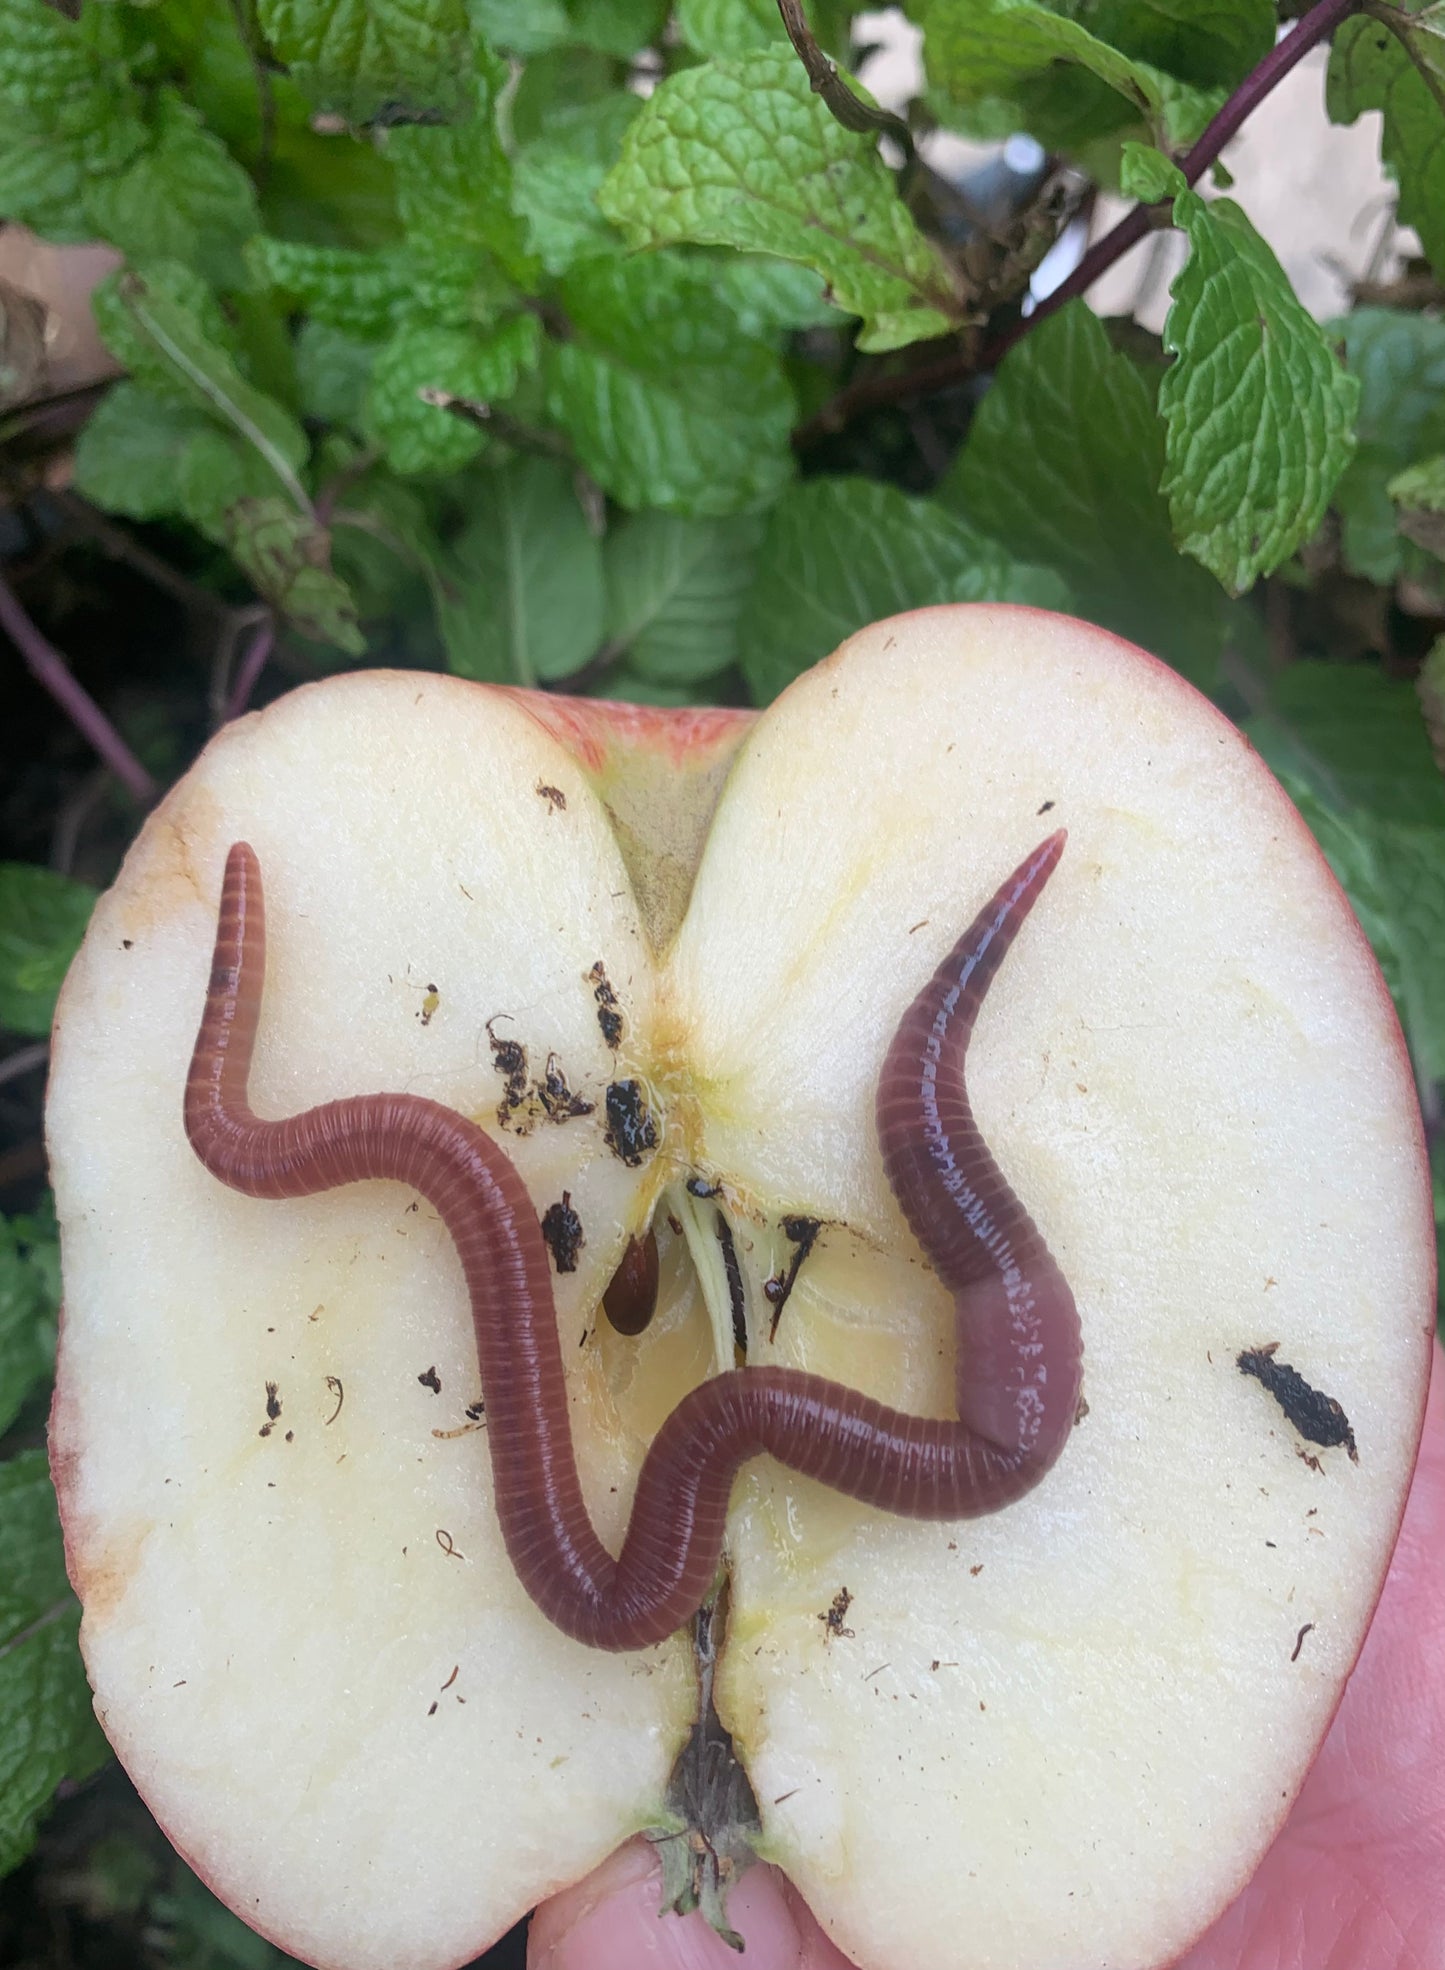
<point>872,392</point>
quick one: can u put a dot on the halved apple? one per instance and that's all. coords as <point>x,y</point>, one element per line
<point>1061,1735</point>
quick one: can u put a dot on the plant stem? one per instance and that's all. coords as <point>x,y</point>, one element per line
<point>23,1061</point>
<point>49,669</point>
<point>248,671</point>
<point>956,367</point>
<point>841,103</point>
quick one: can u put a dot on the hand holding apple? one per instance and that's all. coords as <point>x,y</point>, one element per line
<point>1059,1733</point>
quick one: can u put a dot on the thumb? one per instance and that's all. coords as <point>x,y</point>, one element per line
<point>610,1921</point>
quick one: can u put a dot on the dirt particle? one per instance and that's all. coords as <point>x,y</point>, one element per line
<point>609,1018</point>
<point>834,1616</point>
<point>509,1057</point>
<point>700,1187</point>
<point>273,1409</point>
<point>555,798</point>
<point>429,1004</point>
<point>333,1382</point>
<point>1046,808</point>
<point>562,1231</point>
<point>448,1545</point>
<point>433,1709</point>
<point>475,1411</point>
<point>975,1571</point>
<point>1299,1640</point>
<point>127,943</point>
<point>631,1133</point>
<point>802,1234</point>
<point>1318,1417</point>
<point>559,1104</point>
<point>1081,1410</point>
<point>290,1436</point>
<point>431,1380</point>
<point>456,1671</point>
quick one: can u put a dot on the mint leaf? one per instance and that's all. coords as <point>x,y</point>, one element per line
<point>1062,467</point>
<point>184,198</point>
<point>523,599</point>
<point>360,57</point>
<point>617,27</point>
<point>362,293</point>
<point>128,456</point>
<point>454,185</point>
<point>1370,68</point>
<point>1430,685</point>
<point>1148,175</point>
<point>522,27</point>
<point>840,553</point>
<point>1258,412</point>
<point>288,556</point>
<point>483,367</point>
<point>729,27</point>
<point>675,593</point>
<point>769,298</point>
<point>42,920</point>
<point>170,348</point>
<point>1399,360</point>
<point>743,154</point>
<point>989,47</point>
<point>664,402</point>
<point>48,1730</point>
<point>214,470</point>
<point>29,1308</point>
<point>1214,43</point>
<point>1352,748</point>
<point>1420,496</point>
<point>333,374</point>
<point>557,177</point>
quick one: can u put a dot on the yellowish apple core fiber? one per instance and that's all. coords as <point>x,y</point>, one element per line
<point>1054,1739</point>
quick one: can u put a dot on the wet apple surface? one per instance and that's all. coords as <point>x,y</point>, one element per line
<point>1059,1734</point>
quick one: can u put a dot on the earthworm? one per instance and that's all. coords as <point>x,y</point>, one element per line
<point>1017,1333</point>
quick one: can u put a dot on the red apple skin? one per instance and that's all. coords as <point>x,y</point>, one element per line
<point>609,738</point>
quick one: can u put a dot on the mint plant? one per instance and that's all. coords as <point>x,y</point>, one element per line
<point>630,349</point>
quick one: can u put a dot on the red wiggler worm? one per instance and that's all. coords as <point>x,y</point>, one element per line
<point>1018,1344</point>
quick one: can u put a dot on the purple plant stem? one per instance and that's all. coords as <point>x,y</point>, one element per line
<point>248,671</point>
<point>50,670</point>
<point>1310,29</point>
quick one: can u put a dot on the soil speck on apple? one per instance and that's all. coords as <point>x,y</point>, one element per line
<point>273,1409</point>
<point>608,1016</point>
<point>559,1104</point>
<point>333,1382</point>
<point>554,797</point>
<point>1299,1640</point>
<point>562,1229</point>
<point>736,1302</point>
<point>835,1615</point>
<point>802,1234</point>
<point>431,1380</point>
<point>1317,1417</point>
<point>631,1132</point>
<point>429,1005</point>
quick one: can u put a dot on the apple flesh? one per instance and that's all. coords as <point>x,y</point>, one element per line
<point>1059,1736</point>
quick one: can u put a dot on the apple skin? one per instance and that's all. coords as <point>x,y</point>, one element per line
<point>658,775</point>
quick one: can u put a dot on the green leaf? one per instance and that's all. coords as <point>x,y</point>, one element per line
<point>454,185</point>
<point>333,374</point>
<point>729,27</point>
<point>69,80</point>
<point>1370,68</point>
<point>524,596</point>
<point>361,57</point>
<point>42,920</point>
<point>170,348</point>
<point>666,405</point>
<point>288,556</point>
<point>1430,685</point>
<point>522,27</point>
<point>483,368</point>
<point>1148,175</point>
<point>184,198</point>
<point>1399,360</point>
<point>214,472</point>
<point>617,27</point>
<point>557,176</point>
<point>128,455</point>
<point>840,553</point>
<point>29,1307</point>
<point>1419,494</point>
<point>988,48</point>
<point>1062,466</point>
<point>767,298</point>
<point>675,593</point>
<point>362,293</point>
<point>1352,748</point>
<point>1214,43</point>
<point>1258,412</point>
<point>48,1730</point>
<point>743,154</point>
